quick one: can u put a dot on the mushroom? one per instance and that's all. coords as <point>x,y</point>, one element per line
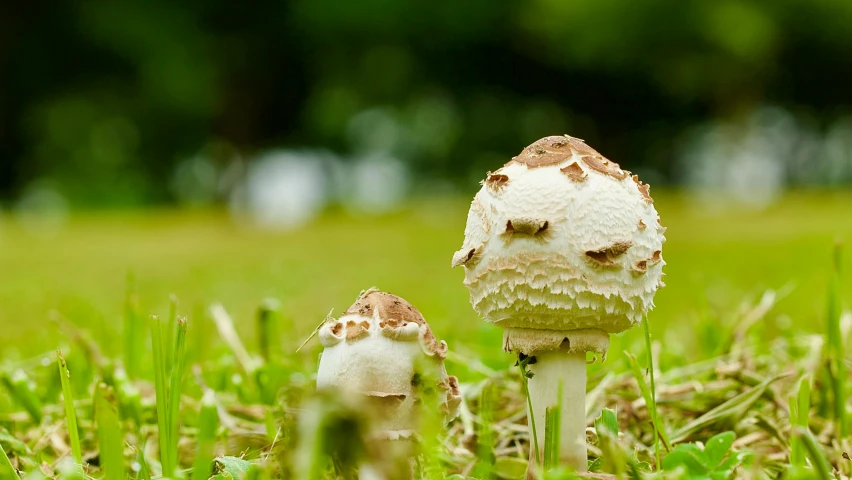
<point>566,252</point>
<point>382,348</point>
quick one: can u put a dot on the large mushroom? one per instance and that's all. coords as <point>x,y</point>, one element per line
<point>382,348</point>
<point>562,248</point>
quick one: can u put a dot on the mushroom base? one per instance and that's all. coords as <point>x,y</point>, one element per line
<point>532,341</point>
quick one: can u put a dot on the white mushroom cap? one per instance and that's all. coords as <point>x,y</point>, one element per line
<point>382,347</point>
<point>561,239</point>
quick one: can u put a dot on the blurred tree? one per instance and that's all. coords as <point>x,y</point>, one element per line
<point>106,99</point>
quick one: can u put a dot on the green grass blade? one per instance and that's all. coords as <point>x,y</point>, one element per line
<point>130,398</point>
<point>20,389</point>
<point>253,473</point>
<point>134,331</point>
<point>607,422</point>
<point>658,426</point>
<point>169,334</point>
<point>208,422</point>
<point>6,468</point>
<point>162,396</point>
<point>485,435</point>
<point>613,458</point>
<point>110,438</point>
<point>834,346</point>
<point>816,454</point>
<point>799,411</point>
<point>733,409</point>
<point>549,427</point>
<point>552,432</point>
<point>144,470</point>
<point>272,430</point>
<point>175,389</point>
<point>269,330</point>
<point>531,415</point>
<point>70,412</point>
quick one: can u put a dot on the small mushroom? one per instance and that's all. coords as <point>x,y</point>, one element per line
<point>561,294</point>
<point>393,359</point>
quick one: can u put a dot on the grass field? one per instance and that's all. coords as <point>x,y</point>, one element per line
<point>746,299</point>
<point>716,261</point>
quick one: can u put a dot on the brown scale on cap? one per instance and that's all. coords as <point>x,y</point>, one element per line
<point>392,323</point>
<point>452,385</point>
<point>604,166</point>
<point>574,172</point>
<point>606,256</point>
<point>656,257</point>
<point>453,395</point>
<point>642,226</point>
<point>526,226</point>
<point>432,345</point>
<point>356,330</point>
<point>552,151</point>
<point>640,267</point>
<point>644,189</point>
<point>496,181</point>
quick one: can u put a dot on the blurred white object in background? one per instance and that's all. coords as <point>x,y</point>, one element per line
<point>375,180</point>
<point>42,209</point>
<point>838,152</point>
<point>741,161</point>
<point>378,183</point>
<point>750,161</point>
<point>283,189</point>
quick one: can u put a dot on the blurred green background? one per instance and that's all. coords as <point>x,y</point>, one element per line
<point>309,149</point>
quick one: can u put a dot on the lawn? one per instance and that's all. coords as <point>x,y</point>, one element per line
<point>738,282</point>
<point>715,262</point>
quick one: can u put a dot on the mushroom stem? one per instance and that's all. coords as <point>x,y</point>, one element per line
<point>550,369</point>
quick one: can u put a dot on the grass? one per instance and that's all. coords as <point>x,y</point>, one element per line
<point>161,375</point>
<point>70,410</point>
<point>834,346</point>
<point>800,407</point>
<point>552,432</point>
<point>208,423</point>
<point>6,467</point>
<point>716,260</point>
<point>533,428</point>
<point>740,369</point>
<point>168,341</point>
<point>109,431</point>
<point>651,396</point>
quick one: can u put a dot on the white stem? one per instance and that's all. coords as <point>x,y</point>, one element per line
<point>551,368</point>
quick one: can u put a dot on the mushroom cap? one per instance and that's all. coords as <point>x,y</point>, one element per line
<point>562,239</point>
<point>382,347</point>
